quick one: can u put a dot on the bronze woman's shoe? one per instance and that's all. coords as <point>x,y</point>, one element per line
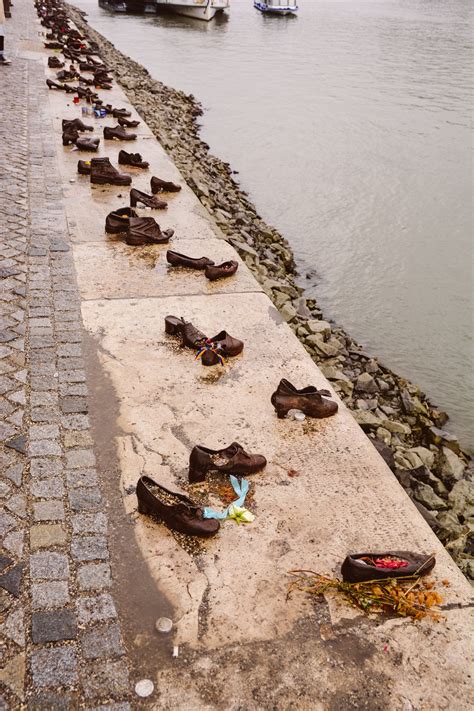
<point>65,75</point>
<point>84,167</point>
<point>103,172</point>
<point>70,136</point>
<point>175,510</point>
<point>191,337</point>
<point>120,113</point>
<point>126,123</point>
<point>118,220</point>
<point>309,400</point>
<point>133,159</point>
<point>76,124</point>
<point>163,186</point>
<point>221,271</point>
<point>145,230</point>
<point>119,133</point>
<point>137,196</point>
<point>54,85</point>
<point>181,260</point>
<point>88,144</point>
<point>231,460</point>
<point>361,567</point>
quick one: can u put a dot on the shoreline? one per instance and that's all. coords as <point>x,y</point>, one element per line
<point>399,419</point>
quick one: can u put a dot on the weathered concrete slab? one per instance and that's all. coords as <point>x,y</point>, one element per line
<point>112,269</point>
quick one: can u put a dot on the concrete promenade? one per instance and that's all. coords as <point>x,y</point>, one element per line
<point>93,395</point>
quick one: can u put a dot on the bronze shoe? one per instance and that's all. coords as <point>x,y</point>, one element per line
<point>163,186</point>
<point>126,123</point>
<point>84,167</point>
<point>103,172</point>
<point>362,567</point>
<point>228,345</point>
<point>76,124</point>
<point>132,159</point>
<point>120,113</point>
<point>119,133</point>
<point>118,221</point>
<point>87,144</point>
<point>137,196</point>
<point>175,510</point>
<point>221,271</point>
<point>70,136</point>
<point>191,337</point>
<point>309,400</point>
<point>231,460</point>
<point>181,260</point>
<point>145,230</point>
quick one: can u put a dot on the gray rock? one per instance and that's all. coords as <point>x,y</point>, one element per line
<point>366,419</point>
<point>426,496</point>
<point>396,427</point>
<point>461,498</point>
<point>316,326</point>
<point>288,312</point>
<point>452,466</point>
<point>365,383</point>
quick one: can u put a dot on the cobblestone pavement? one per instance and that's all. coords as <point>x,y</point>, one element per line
<point>61,645</point>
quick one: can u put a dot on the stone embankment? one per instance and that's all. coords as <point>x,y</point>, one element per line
<point>403,425</point>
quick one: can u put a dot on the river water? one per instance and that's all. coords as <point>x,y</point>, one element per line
<point>349,126</point>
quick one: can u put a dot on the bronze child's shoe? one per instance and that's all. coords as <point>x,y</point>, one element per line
<point>145,230</point>
<point>175,510</point>
<point>117,221</point>
<point>231,460</point>
<point>191,337</point>
<point>133,159</point>
<point>103,172</point>
<point>227,344</point>
<point>181,260</point>
<point>221,271</point>
<point>119,133</point>
<point>309,400</point>
<point>137,196</point>
<point>163,186</point>
<point>362,567</point>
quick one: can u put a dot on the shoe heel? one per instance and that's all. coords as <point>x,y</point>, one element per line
<point>146,511</point>
<point>281,413</point>
<point>133,201</point>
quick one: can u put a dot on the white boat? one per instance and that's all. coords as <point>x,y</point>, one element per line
<point>199,9</point>
<point>277,7</point>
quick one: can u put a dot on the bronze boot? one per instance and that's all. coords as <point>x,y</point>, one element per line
<point>103,172</point>
<point>145,230</point>
<point>309,400</point>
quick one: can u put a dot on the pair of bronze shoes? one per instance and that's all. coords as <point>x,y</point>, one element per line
<point>179,512</point>
<point>138,230</point>
<point>211,351</point>
<point>211,270</point>
<point>309,400</point>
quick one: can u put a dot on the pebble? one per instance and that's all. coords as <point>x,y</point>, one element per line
<point>144,688</point>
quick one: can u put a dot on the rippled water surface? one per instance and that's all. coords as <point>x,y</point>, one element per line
<point>349,125</point>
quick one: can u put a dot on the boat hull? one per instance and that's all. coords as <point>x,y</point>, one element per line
<point>263,7</point>
<point>205,11</point>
